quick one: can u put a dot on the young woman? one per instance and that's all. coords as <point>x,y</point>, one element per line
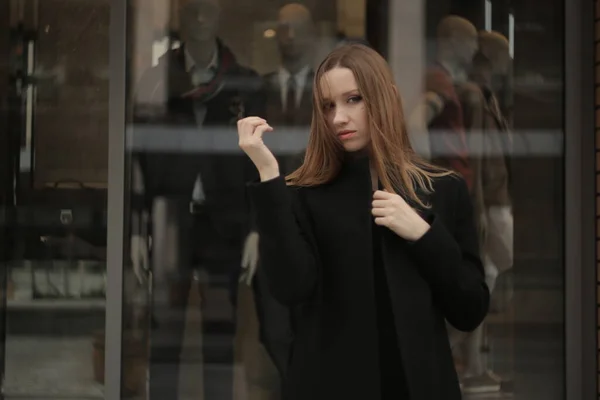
<point>371,247</point>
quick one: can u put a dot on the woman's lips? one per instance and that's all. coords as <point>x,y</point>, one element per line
<point>346,134</point>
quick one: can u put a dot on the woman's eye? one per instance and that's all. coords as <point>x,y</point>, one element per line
<point>354,99</point>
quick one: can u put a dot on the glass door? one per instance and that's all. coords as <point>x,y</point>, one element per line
<point>54,105</point>
<point>191,68</point>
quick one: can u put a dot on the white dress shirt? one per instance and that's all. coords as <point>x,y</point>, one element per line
<point>300,80</point>
<point>201,75</point>
<point>198,77</point>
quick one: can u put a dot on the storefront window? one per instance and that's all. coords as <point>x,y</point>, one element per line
<point>482,95</point>
<point>482,83</point>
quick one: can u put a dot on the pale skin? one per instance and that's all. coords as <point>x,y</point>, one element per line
<point>347,118</point>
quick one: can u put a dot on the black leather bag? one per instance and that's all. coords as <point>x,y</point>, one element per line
<point>59,211</point>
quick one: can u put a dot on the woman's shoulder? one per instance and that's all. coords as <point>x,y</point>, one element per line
<point>307,189</point>
<point>452,183</point>
<point>449,192</point>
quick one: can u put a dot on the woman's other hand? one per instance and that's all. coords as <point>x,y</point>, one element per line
<point>392,211</point>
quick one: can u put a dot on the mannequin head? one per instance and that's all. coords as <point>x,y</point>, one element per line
<point>295,32</point>
<point>198,20</point>
<point>495,47</point>
<point>492,66</point>
<point>456,41</point>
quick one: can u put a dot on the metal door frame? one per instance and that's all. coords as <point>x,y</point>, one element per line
<point>116,199</point>
<point>580,203</point>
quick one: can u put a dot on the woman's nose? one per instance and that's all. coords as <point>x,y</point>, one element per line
<point>340,116</point>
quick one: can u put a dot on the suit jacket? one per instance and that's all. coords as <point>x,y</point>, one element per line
<point>297,121</point>
<point>317,259</point>
<point>277,116</point>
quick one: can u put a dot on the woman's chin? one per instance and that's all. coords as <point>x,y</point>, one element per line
<point>354,148</point>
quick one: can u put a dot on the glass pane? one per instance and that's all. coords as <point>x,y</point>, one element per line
<point>192,77</point>
<point>54,182</point>
<point>491,106</point>
<point>481,96</point>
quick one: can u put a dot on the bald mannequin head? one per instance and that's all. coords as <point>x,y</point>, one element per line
<point>198,20</point>
<point>295,31</point>
<point>457,40</point>
<point>495,47</point>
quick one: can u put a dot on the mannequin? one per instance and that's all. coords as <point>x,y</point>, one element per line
<point>295,38</point>
<point>289,88</point>
<point>495,47</point>
<point>489,144</point>
<point>190,200</point>
<point>437,120</point>
<point>289,108</point>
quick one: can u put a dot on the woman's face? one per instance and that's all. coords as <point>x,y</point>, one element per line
<point>344,109</point>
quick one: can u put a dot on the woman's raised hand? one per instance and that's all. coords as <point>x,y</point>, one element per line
<point>250,132</point>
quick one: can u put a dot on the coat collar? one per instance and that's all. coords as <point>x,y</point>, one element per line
<point>356,171</point>
<point>356,168</point>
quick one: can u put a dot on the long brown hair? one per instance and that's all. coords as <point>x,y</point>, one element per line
<point>398,166</point>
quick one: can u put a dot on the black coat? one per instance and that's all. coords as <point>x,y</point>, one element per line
<point>316,256</point>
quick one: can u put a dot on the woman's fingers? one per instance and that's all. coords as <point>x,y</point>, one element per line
<point>246,126</point>
<point>261,129</point>
<point>382,195</point>
<point>380,203</point>
<point>380,212</point>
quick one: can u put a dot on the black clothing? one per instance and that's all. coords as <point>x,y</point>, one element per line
<point>316,252</point>
<point>167,100</point>
<point>393,385</point>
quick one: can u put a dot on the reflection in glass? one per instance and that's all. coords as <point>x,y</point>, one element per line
<point>188,288</point>
<point>189,213</point>
<point>497,121</point>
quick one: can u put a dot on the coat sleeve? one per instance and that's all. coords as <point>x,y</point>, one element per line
<point>450,262</point>
<point>288,255</point>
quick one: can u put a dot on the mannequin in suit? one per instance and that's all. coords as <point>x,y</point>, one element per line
<point>190,195</point>
<point>289,110</point>
<point>289,87</point>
